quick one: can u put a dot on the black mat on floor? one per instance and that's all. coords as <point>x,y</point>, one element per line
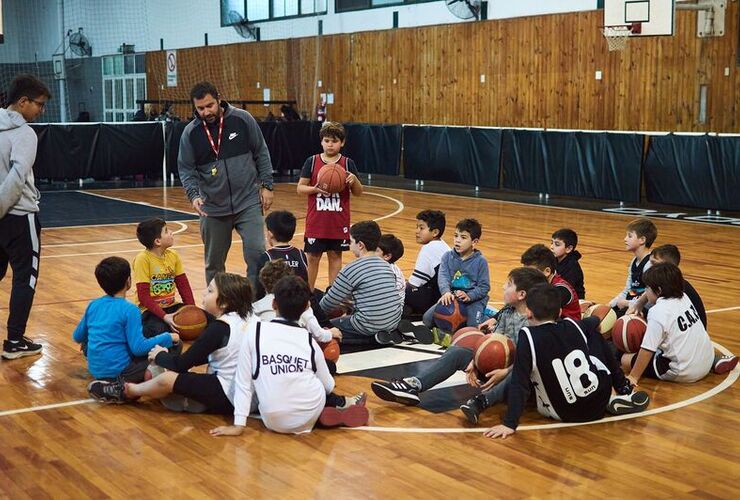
<point>435,400</point>
<point>74,208</point>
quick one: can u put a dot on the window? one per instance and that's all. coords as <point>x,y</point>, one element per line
<point>348,5</point>
<point>124,82</point>
<point>267,10</point>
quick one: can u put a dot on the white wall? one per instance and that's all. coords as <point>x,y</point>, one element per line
<point>33,28</point>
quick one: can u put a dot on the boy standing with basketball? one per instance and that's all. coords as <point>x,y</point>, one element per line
<point>641,234</point>
<point>328,215</point>
<point>20,230</point>
<point>158,271</point>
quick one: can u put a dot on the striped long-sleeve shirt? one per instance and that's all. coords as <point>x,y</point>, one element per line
<point>371,284</point>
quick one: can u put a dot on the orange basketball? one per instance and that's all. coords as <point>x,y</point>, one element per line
<point>606,315</point>
<point>190,322</point>
<point>331,350</point>
<point>628,332</point>
<point>467,337</point>
<point>495,351</point>
<point>332,178</point>
<point>585,304</point>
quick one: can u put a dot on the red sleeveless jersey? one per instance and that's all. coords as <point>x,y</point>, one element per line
<point>572,309</point>
<point>327,216</point>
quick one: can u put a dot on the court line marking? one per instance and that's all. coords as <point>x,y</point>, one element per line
<point>182,225</point>
<point>45,407</point>
<point>734,308</point>
<point>727,382</point>
<point>400,208</point>
<point>143,203</point>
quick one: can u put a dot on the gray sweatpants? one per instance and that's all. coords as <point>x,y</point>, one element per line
<point>216,235</point>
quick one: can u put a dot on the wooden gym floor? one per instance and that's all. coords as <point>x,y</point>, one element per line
<point>686,445</point>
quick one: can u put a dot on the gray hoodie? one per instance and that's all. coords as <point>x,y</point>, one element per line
<point>18,193</point>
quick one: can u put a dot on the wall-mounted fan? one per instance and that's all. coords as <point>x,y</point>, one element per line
<point>464,9</point>
<point>78,43</point>
<point>243,26</point>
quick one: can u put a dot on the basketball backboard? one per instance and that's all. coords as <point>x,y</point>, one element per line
<point>656,17</point>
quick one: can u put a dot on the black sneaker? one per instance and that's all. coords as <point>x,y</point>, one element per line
<point>385,337</point>
<point>423,334</point>
<point>397,391</point>
<point>632,403</point>
<point>473,407</point>
<point>107,392</point>
<point>20,348</point>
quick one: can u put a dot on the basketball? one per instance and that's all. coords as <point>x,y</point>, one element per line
<point>467,337</point>
<point>607,316</point>
<point>190,322</point>
<point>452,317</point>
<point>332,178</point>
<point>628,332</point>
<point>330,349</point>
<point>585,304</point>
<point>495,351</point>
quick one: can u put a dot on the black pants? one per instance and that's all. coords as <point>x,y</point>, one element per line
<point>152,325</point>
<point>418,300</point>
<point>598,348</point>
<point>20,246</point>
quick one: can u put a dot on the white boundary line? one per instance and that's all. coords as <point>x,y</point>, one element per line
<point>735,308</point>
<point>143,203</point>
<point>727,382</point>
<point>45,407</point>
<point>182,225</point>
<point>398,210</point>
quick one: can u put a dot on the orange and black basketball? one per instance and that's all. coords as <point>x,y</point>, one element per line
<point>190,322</point>
<point>452,317</point>
<point>332,178</point>
<point>494,352</point>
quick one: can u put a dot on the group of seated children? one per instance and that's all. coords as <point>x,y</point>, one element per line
<point>262,351</point>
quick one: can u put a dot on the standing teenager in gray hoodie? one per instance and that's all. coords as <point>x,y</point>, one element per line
<point>20,231</point>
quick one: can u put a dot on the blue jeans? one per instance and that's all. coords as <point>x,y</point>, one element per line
<point>350,334</point>
<point>454,359</point>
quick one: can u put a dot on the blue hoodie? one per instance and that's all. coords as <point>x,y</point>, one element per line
<point>469,275</point>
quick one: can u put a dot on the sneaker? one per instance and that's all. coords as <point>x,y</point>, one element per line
<point>632,403</point>
<point>107,392</point>
<point>724,364</point>
<point>388,337</point>
<point>396,391</point>
<point>423,335</point>
<point>473,407</point>
<point>20,348</point>
<point>353,414</point>
<point>406,326</point>
<point>441,338</point>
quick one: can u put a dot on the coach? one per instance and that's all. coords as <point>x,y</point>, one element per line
<point>225,169</point>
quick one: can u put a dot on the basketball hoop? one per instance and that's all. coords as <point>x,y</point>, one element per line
<point>617,36</point>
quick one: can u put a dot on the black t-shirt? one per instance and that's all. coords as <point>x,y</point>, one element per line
<point>553,359</point>
<point>696,300</point>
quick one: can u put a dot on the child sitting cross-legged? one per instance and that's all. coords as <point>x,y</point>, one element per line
<point>110,332</point>
<point>228,298</point>
<point>281,364</point>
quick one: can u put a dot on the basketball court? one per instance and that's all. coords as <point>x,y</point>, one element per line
<point>57,442</point>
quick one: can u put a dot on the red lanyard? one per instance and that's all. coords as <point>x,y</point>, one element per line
<point>217,146</point>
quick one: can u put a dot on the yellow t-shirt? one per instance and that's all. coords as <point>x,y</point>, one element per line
<point>160,273</point>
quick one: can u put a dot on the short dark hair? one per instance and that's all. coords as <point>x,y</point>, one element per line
<point>540,257</point>
<point>434,219</point>
<point>667,253</point>
<point>202,89</point>
<point>644,228</point>
<point>544,302</point>
<point>149,230</point>
<point>524,278</point>
<point>281,224</point>
<point>665,279</point>
<point>471,226</point>
<point>367,232</point>
<point>28,86</point>
<point>112,274</point>
<point>389,244</point>
<point>335,130</point>
<point>292,296</point>
<point>234,293</point>
<point>271,273</point>
<point>567,236</point>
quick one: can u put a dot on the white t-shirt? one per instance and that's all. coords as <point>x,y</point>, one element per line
<point>263,310</point>
<point>428,259</point>
<point>675,329</point>
<point>400,282</point>
<point>284,367</point>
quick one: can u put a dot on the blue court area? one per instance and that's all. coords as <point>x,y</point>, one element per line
<point>77,208</point>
